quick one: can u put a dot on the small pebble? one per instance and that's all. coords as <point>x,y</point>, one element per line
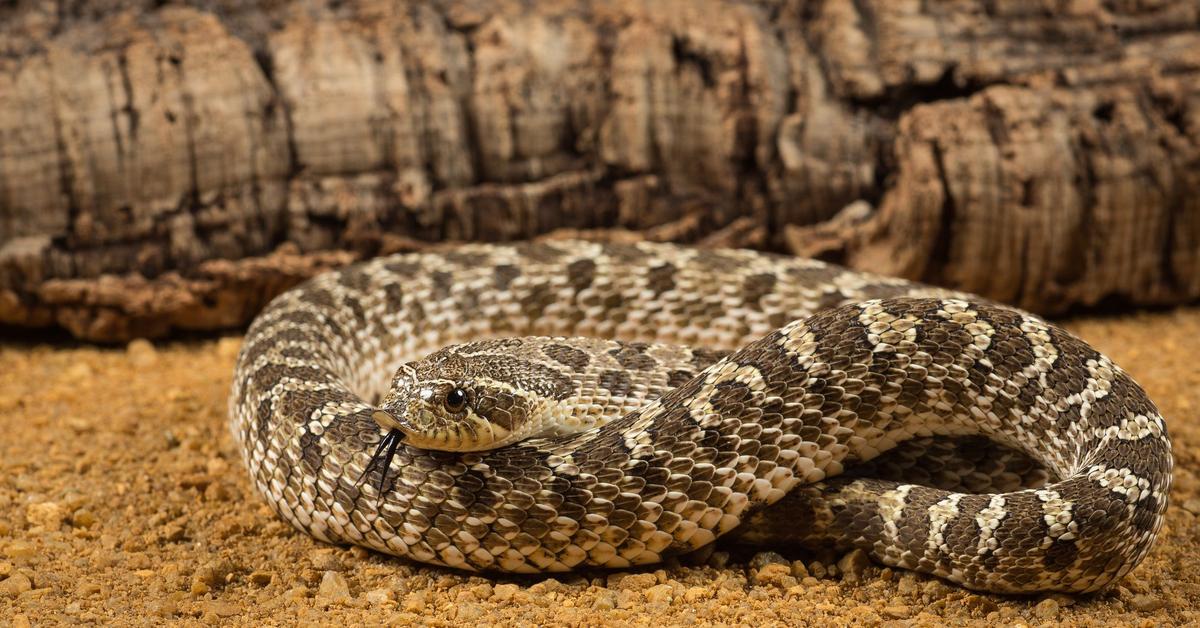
<point>220,608</point>
<point>981,604</point>
<point>83,519</point>
<point>334,589</point>
<point>15,585</point>
<point>817,569</point>
<point>379,596</point>
<point>636,581</point>
<point>1192,505</point>
<point>762,559</point>
<point>775,574</point>
<point>173,533</point>
<point>79,371</point>
<point>261,578</point>
<point>482,591</point>
<point>897,612</point>
<point>853,565</point>
<point>216,492</point>
<point>1145,603</point>
<point>605,601</point>
<point>49,515</point>
<point>469,612</point>
<point>211,575</point>
<point>1063,599</point>
<point>799,570</point>
<point>1046,609</point>
<point>548,585</point>
<point>504,592</point>
<point>628,599</point>
<point>415,602</point>
<point>734,583</point>
<point>20,551</point>
<point>166,608</point>
<point>324,560</point>
<point>936,589</point>
<point>141,352</point>
<point>660,594</point>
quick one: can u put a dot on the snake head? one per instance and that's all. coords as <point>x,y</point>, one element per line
<point>471,397</point>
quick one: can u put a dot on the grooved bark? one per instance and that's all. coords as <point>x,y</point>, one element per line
<point>152,160</point>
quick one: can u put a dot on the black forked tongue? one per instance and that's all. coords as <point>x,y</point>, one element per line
<point>381,460</point>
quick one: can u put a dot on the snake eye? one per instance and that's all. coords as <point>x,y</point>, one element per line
<point>456,399</point>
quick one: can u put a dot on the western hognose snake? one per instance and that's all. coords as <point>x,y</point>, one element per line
<point>1012,457</point>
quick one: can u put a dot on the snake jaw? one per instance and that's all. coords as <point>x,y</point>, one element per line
<point>388,421</point>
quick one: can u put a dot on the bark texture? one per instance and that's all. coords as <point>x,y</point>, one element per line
<point>167,167</point>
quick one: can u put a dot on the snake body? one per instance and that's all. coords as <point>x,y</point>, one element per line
<point>780,439</point>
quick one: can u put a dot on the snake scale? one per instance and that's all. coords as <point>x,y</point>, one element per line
<point>937,432</point>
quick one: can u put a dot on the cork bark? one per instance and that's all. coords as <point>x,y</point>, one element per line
<point>174,167</point>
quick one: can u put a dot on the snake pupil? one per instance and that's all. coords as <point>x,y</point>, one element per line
<point>456,399</point>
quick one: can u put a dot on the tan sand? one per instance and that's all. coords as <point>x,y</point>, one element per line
<point>122,499</point>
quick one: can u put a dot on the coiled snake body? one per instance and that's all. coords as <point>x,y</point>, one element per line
<point>828,369</point>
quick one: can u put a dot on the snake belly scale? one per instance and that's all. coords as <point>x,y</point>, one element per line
<point>828,368</point>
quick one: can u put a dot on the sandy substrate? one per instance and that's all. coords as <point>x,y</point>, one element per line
<point>122,499</point>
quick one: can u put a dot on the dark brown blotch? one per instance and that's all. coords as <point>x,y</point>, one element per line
<point>567,356</point>
<point>755,287</point>
<point>356,309</point>
<point>679,378</point>
<point>704,358</point>
<point>504,274</point>
<point>522,374</point>
<point>355,279</point>
<point>661,278</point>
<point>442,282</point>
<point>580,274</point>
<point>403,267</point>
<point>539,297</point>
<point>310,453</point>
<point>539,252</point>
<point>720,262</point>
<point>262,417</point>
<point>393,295</point>
<point>616,382</point>
<point>632,355</point>
<point>465,259</point>
<point>319,298</point>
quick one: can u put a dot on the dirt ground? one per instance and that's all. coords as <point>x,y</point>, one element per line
<point>122,500</point>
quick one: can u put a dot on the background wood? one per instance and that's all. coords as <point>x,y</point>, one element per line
<point>173,167</point>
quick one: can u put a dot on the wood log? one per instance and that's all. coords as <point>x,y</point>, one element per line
<point>173,167</point>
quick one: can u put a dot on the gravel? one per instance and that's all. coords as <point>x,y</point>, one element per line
<point>122,500</point>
